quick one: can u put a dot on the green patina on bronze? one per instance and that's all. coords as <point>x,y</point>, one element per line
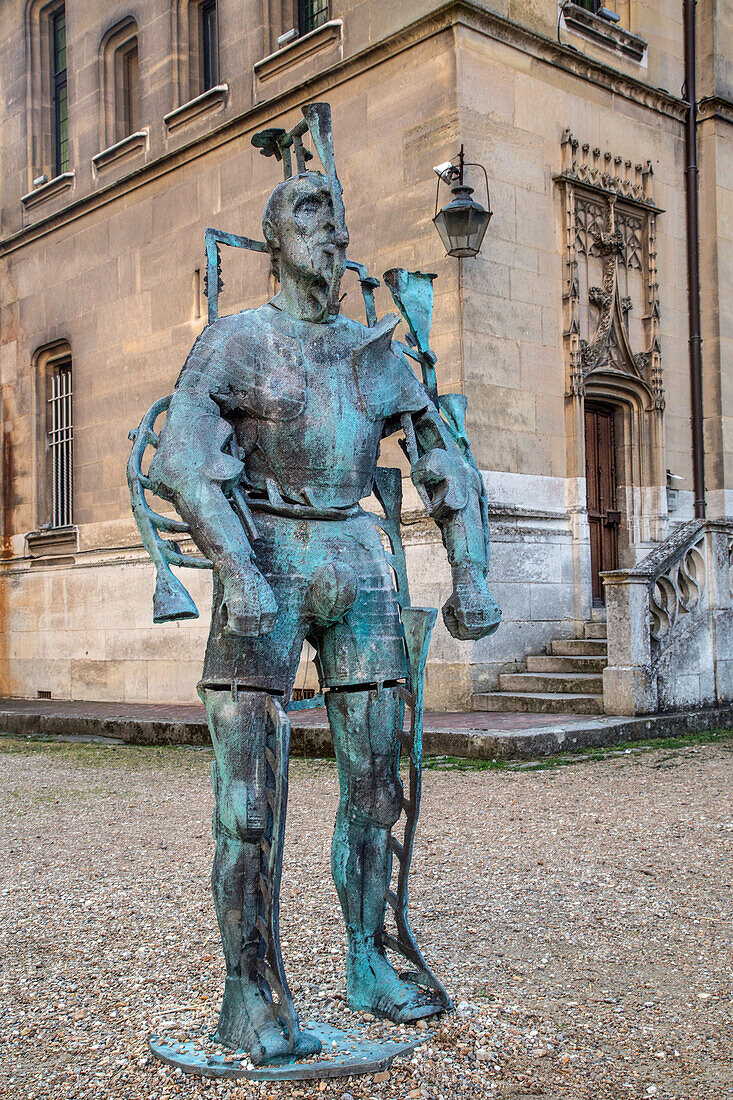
<point>268,444</point>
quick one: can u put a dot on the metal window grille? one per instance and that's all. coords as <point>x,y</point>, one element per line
<point>60,445</point>
<point>209,45</point>
<point>311,14</point>
<point>60,92</point>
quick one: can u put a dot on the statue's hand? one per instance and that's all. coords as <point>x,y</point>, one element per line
<point>470,613</point>
<point>250,606</point>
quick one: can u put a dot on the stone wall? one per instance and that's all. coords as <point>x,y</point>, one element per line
<point>114,267</point>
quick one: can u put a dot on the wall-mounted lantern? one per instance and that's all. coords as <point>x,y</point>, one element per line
<point>462,222</point>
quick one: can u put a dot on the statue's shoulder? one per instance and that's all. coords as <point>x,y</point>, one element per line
<point>235,327</point>
<point>353,331</point>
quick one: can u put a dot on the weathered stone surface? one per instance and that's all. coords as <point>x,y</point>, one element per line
<point>115,266</point>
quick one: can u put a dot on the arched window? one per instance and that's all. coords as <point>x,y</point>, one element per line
<point>127,89</point>
<point>48,103</point>
<point>203,47</point>
<point>120,82</point>
<point>209,39</point>
<point>59,90</point>
<point>196,56</point>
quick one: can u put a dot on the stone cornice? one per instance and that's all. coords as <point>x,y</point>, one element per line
<point>451,15</point>
<point>715,107</point>
<point>210,100</point>
<point>328,34</point>
<point>126,147</point>
<point>603,33</point>
<point>48,190</point>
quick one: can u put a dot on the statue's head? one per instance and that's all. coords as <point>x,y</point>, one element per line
<point>300,231</point>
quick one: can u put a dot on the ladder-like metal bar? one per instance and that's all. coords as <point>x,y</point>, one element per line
<point>418,623</point>
<point>270,964</point>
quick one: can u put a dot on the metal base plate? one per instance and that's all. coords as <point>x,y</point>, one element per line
<point>344,1053</point>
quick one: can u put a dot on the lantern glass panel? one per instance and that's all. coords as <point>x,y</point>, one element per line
<point>461,226</point>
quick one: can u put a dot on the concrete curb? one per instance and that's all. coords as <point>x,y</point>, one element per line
<point>594,733</point>
<point>314,738</point>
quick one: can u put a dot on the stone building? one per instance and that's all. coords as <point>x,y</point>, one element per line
<point>126,131</point>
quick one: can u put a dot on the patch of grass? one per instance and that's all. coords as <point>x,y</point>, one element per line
<point>580,755</point>
<point>88,753</point>
<point>464,764</point>
<point>152,756</point>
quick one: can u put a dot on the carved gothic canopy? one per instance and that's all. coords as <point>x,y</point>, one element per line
<point>611,291</point>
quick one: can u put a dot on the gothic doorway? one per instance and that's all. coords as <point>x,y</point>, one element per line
<point>604,517</point>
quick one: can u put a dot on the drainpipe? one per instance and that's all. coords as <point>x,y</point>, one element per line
<point>693,258</point>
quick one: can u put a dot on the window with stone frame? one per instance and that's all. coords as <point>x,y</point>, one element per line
<point>127,89</point>
<point>55,392</point>
<point>120,78</point>
<point>209,45</point>
<point>59,91</point>
<point>311,14</point>
<point>48,100</point>
<point>203,47</point>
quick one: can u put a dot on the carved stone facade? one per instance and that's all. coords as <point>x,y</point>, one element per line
<point>611,230</point>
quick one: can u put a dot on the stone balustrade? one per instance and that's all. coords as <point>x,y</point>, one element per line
<point>670,624</point>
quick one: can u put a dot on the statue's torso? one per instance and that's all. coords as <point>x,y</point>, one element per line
<point>308,403</point>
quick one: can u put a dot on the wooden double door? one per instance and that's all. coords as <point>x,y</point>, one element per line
<point>604,518</point>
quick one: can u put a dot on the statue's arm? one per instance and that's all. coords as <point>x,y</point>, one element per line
<point>452,490</point>
<point>194,467</point>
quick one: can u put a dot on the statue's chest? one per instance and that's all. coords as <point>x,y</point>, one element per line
<point>308,376</point>
<point>332,428</point>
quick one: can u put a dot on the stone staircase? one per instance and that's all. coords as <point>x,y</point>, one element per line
<point>567,680</point>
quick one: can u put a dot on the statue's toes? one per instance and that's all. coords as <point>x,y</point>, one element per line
<point>270,1045</point>
<point>273,1046</point>
<point>307,1045</point>
<point>416,1008</point>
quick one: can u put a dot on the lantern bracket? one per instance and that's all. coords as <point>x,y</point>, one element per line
<point>454,174</point>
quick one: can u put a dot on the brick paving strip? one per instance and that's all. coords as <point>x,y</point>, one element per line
<point>480,735</point>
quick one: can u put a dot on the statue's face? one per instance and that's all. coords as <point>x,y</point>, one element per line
<point>304,227</point>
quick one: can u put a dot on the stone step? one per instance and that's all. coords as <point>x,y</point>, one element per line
<point>594,630</point>
<point>579,647</point>
<point>541,662</point>
<point>538,702</point>
<point>573,682</point>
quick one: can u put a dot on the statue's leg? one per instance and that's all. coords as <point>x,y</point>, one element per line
<point>364,725</point>
<point>247,1020</point>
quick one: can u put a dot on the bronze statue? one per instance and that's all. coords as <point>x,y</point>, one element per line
<point>270,441</point>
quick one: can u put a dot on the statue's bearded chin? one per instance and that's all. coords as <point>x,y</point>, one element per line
<point>325,292</point>
<point>319,292</point>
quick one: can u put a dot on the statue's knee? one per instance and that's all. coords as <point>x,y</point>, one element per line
<point>376,798</point>
<point>239,809</point>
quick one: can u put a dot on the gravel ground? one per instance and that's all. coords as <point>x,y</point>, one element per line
<point>580,917</point>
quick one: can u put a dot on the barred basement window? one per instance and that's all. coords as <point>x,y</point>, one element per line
<point>311,14</point>
<point>60,444</point>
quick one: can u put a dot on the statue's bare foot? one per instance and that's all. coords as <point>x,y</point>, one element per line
<point>372,985</point>
<point>247,1022</point>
